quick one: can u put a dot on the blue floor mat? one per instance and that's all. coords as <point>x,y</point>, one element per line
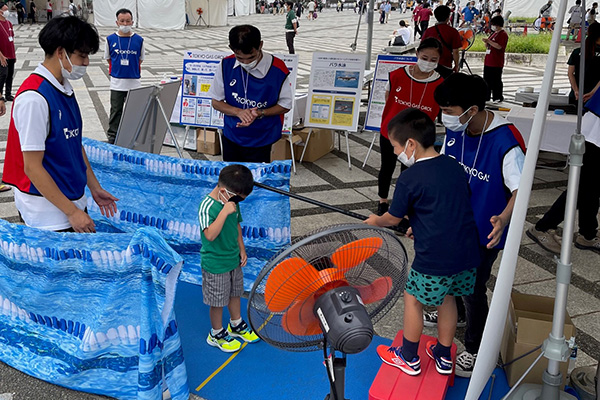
<point>261,371</point>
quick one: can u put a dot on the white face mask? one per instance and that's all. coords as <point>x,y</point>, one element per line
<point>77,71</point>
<point>426,66</point>
<point>126,29</point>
<point>403,158</point>
<point>494,28</point>
<point>250,66</point>
<point>6,13</point>
<point>452,122</point>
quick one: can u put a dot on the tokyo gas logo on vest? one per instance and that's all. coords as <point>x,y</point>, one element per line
<point>475,173</point>
<point>70,133</point>
<point>248,102</point>
<point>422,107</point>
<point>123,52</point>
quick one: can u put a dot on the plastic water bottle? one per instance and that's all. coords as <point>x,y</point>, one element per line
<point>573,358</point>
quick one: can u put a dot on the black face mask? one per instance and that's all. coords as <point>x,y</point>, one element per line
<point>236,199</point>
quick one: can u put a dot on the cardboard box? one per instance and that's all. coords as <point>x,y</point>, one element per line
<point>208,144</point>
<point>528,324</point>
<point>320,143</point>
<point>281,149</point>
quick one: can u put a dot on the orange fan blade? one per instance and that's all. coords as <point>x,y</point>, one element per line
<point>352,254</point>
<point>291,280</point>
<point>300,319</point>
<point>376,290</point>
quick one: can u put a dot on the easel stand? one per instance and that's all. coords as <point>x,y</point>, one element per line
<point>340,133</point>
<point>201,21</point>
<point>151,111</point>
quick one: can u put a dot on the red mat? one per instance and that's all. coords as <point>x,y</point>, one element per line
<point>392,384</point>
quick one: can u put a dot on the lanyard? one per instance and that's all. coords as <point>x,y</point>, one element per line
<point>245,84</point>
<point>411,91</point>
<point>5,31</point>
<point>126,56</point>
<point>478,145</point>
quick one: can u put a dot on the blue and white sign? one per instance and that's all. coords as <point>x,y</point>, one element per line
<point>385,65</point>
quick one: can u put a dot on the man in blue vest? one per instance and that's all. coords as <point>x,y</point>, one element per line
<point>45,160</point>
<point>252,88</point>
<point>125,52</point>
<point>492,152</point>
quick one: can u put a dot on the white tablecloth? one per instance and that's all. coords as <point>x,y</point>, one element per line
<point>557,129</point>
<point>558,99</point>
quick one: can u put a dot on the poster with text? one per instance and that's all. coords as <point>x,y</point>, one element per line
<point>336,82</point>
<point>198,74</point>
<point>385,65</point>
<point>291,62</point>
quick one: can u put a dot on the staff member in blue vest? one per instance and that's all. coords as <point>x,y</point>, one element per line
<point>125,52</point>
<point>252,88</point>
<point>45,160</point>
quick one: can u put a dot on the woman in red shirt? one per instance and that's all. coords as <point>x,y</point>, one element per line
<point>408,87</point>
<point>494,58</point>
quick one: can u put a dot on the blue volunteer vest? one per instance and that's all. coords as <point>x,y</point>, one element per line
<point>127,48</point>
<point>593,104</point>
<point>489,195</point>
<point>63,157</point>
<point>260,93</point>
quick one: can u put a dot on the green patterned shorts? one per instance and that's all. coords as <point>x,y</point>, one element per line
<point>430,290</point>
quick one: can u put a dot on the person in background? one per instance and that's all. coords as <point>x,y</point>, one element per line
<point>545,15</point>
<point>49,11</point>
<point>575,20</point>
<point>20,12</point>
<point>494,58</point>
<point>4,68</point>
<point>388,10</point>
<point>311,10</point>
<point>124,51</point>
<point>32,12</point>
<point>450,39</point>
<point>470,14</point>
<point>252,88</point>
<point>592,66</point>
<point>291,26</point>
<point>592,13</point>
<point>45,159</point>
<point>424,16</point>
<point>8,56</point>
<point>415,17</point>
<point>409,87</point>
<point>401,36</point>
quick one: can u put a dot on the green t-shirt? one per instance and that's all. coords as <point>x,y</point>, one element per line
<point>291,16</point>
<point>222,254</point>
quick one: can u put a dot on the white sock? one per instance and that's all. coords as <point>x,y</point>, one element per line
<point>235,323</point>
<point>215,332</point>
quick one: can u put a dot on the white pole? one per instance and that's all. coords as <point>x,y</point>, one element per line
<point>492,334</point>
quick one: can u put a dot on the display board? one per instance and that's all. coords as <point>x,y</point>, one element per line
<point>336,82</point>
<point>198,74</point>
<point>385,65</point>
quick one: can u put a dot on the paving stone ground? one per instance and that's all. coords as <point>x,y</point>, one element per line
<point>329,179</point>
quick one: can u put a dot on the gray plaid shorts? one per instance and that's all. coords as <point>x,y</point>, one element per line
<point>217,289</point>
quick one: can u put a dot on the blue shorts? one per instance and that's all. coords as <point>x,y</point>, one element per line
<point>431,290</point>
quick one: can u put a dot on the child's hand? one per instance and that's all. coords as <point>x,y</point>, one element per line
<point>499,224</point>
<point>243,257</point>
<point>229,208</point>
<point>409,233</point>
<point>372,220</point>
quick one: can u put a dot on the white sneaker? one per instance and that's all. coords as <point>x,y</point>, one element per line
<point>430,318</point>
<point>465,362</point>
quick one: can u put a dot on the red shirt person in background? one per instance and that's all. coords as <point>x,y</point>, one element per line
<point>494,58</point>
<point>450,39</point>
<point>8,56</point>
<point>423,16</point>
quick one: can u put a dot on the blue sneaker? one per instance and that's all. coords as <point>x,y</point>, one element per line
<point>443,365</point>
<point>393,356</point>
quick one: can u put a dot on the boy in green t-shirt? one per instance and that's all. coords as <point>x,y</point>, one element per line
<point>223,256</point>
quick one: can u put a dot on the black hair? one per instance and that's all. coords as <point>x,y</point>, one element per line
<point>244,38</point>
<point>290,3</point>
<point>442,13</point>
<point>412,123</point>
<point>462,90</point>
<point>497,21</point>
<point>593,34</point>
<point>430,43</point>
<point>402,22</point>
<point>124,11</point>
<point>578,2</point>
<point>237,178</point>
<point>71,33</point>
<point>498,10</point>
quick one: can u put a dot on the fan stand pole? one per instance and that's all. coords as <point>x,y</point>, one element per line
<point>463,62</point>
<point>336,371</point>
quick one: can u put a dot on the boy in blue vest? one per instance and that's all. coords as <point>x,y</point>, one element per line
<point>433,192</point>
<point>125,52</point>
<point>492,152</point>
<point>223,256</point>
<point>45,160</point>
<point>252,88</point>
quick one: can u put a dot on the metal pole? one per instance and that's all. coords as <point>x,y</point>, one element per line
<point>369,33</point>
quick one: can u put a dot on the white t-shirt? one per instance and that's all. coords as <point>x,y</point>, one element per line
<point>123,85</point>
<point>30,114</point>
<point>311,6</point>
<point>512,164</point>
<point>286,96</point>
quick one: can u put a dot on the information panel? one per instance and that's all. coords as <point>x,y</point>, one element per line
<point>291,62</point>
<point>385,65</point>
<point>198,74</point>
<point>336,82</point>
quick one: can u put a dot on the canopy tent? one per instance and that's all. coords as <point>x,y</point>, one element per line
<point>241,7</point>
<point>158,14</point>
<point>531,8</point>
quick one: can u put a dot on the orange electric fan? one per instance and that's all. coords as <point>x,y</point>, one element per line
<point>326,290</point>
<point>467,36</point>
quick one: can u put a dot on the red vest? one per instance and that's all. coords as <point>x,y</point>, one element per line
<point>405,92</point>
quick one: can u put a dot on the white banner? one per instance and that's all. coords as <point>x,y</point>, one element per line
<point>336,82</point>
<point>104,11</point>
<point>161,14</point>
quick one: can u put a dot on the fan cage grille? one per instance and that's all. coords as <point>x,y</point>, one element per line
<point>390,260</point>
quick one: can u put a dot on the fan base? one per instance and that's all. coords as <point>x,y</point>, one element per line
<point>391,383</point>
